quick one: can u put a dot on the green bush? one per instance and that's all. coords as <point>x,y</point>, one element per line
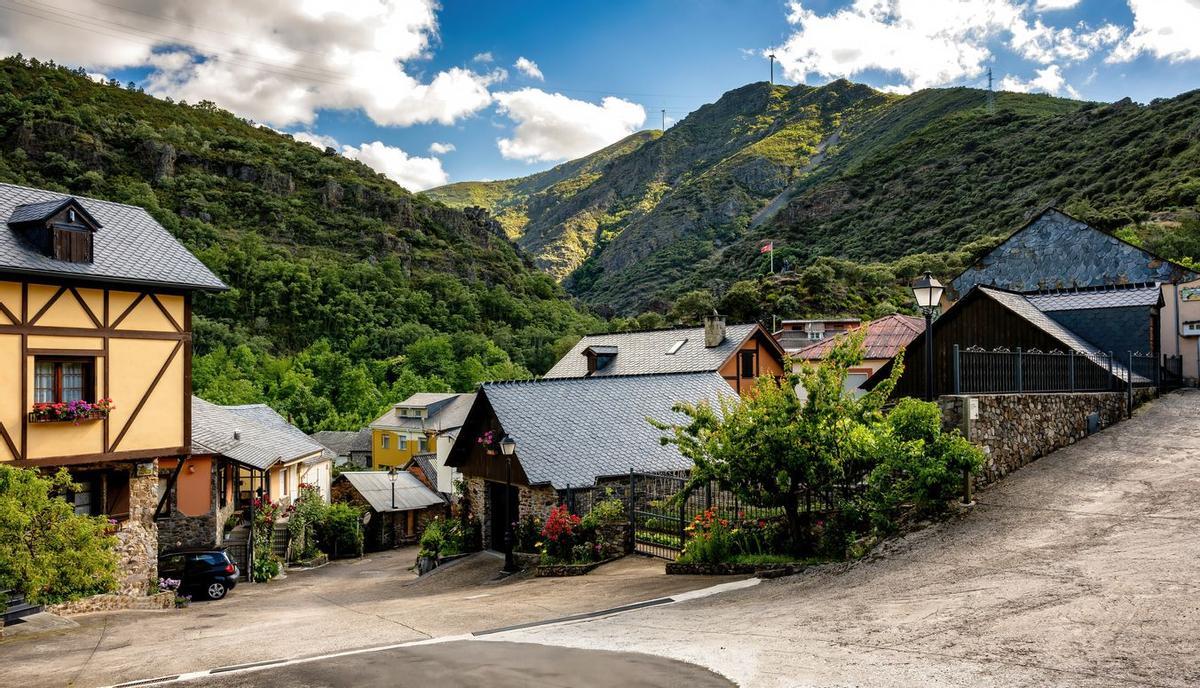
<point>47,551</point>
<point>340,533</point>
<point>711,540</point>
<point>604,513</point>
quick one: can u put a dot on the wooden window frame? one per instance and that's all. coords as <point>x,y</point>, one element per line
<point>89,376</point>
<point>751,356</point>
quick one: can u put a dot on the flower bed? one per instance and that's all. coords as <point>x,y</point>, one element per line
<point>563,570</point>
<point>70,411</point>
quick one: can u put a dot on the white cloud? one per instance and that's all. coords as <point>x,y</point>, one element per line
<point>413,173</point>
<point>926,42</point>
<point>529,68</point>
<point>441,148</point>
<point>1048,80</point>
<point>313,139</point>
<point>483,57</point>
<point>275,62</point>
<point>551,126</point>
<point>1165,29</point>
<point>1050,5</point>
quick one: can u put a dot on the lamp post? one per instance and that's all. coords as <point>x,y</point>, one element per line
<point>392,477</point>
<point>928,293</point>
<point>508,447</point>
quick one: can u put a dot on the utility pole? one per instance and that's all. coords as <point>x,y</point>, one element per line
<point>991,95</point>
<point>772,57</point>
<point>664,119</point>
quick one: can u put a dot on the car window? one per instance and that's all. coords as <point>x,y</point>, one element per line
<point>171,566</point>
<point>209,559</point>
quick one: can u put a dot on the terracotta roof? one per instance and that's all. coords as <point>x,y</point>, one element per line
<point>885,337</point>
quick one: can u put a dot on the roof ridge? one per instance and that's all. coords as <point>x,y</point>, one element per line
<point>621,376</point>
<point>666,329</point>
<point>71,195</point>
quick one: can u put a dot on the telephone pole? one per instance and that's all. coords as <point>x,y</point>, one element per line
<point>772,57</point>
<point>991,95</point>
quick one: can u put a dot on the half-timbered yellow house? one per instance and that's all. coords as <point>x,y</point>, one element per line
<point>95,355</point>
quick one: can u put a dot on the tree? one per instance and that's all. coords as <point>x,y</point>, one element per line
<point>47,551</point>
<point>692,307</point>
<point>777,448</point>
<point>741,302</point>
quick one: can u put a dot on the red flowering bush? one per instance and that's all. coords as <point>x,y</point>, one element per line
<point>561,533</point>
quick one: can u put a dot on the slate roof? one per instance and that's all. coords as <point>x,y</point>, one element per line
<point>132,248</point>
<point>265,437</point>
<point>1055,250</point>
<point>1146,295</point>
<point>447,416</point>
<point>885,337</point>
<point>571,430</point>
<point>1021,306</point>
<point>645,352</point>
<point>342,442</point>
<point>376,488</point>
<point>425,463</point>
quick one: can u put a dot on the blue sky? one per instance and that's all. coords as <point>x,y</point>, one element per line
<point>384,80</point>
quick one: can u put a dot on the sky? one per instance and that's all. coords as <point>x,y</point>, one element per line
<point>430,93</point>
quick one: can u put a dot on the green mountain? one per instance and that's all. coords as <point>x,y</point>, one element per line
<point>348,292</point>
<point>842,172</point>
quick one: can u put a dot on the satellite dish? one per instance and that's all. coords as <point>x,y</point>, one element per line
<point>366,517</point>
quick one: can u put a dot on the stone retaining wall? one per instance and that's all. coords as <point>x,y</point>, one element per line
<point>112,602</point>
<point>1015,429</point>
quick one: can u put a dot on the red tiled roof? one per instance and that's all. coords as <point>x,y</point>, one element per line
<point>885,337</point>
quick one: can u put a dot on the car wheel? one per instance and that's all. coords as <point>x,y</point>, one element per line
<point>216,591</point>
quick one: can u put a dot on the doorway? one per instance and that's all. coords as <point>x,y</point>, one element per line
<point>503,508</point>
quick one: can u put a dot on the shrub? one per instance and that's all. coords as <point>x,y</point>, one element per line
<point>711,540</point>
<point>340,533</point>
<point>528,534</point>
<point>604,513</point>
<point>303,516</point>
<point>560,534</point>
<point>47,551</point>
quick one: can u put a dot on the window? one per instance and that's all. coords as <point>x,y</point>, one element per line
<point>73,245</point>
<point>676,347</point>
<point>83,500</point>
<point>384,440</point>
<point>63,379</point>
<point>748,359</point>
<point>815,336</point>
<point>403,443</point>
<point>287,478</point>
<point>422,443</point>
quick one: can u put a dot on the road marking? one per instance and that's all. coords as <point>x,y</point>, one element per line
<point>613,611</point>
<point>475,597</point>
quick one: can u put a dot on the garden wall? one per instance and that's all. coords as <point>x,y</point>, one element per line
<point>1015,429</point>
<point>108,603</point>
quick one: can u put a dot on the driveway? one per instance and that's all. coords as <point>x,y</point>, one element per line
<point>1078,570</point>
<point>346,605</point>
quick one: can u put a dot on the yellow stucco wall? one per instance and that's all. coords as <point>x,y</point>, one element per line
<point>393,455</point>
<point>133,362</point>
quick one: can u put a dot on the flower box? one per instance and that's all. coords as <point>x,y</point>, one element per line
<point>70,412</point>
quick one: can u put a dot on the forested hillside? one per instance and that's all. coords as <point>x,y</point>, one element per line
<point>348,292</point>
<point>855,178</point>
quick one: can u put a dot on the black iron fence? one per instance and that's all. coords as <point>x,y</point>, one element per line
<point>1002,371</point>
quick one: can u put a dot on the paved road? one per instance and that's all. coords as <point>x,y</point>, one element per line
<point>1078,570</point>
<point>347,605</point>
<point>474,664</point>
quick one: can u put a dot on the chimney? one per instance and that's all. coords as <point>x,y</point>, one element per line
<point>714,330</point>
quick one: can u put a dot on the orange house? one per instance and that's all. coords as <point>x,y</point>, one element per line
<point>739,353</point>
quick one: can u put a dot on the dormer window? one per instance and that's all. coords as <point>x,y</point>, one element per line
<point>61,229</point>
<point>600,357</point>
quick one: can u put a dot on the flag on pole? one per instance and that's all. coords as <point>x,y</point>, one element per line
<point>767,247</point>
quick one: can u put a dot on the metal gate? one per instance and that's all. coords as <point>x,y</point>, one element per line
<point>659,527</point>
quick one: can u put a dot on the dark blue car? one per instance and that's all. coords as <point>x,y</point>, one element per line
<point>207,572</point>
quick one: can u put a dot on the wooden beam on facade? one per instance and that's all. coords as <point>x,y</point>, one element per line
<point>8,441</point>
<point>125,314</point>
<point>170,486</point>
<point>146,396</point>
<point>53,300</point>
<point>86,308</point>
<point>170,318</point>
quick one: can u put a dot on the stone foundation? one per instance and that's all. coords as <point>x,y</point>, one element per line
<point>137,537</point>
<point>535,500</point>
<point>1015,429</point>
<point>109,603</point>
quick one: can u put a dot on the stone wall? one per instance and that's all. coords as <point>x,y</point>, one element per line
<point>537,500</point>
<point>178,531</point>
<point>137,536</point>
<point>108,603</point>
<point>1015,429</point>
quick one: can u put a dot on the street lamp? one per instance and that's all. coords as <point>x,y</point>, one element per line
<point>928,293</point>
<point>508,447</point>
<point>392,477</point>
